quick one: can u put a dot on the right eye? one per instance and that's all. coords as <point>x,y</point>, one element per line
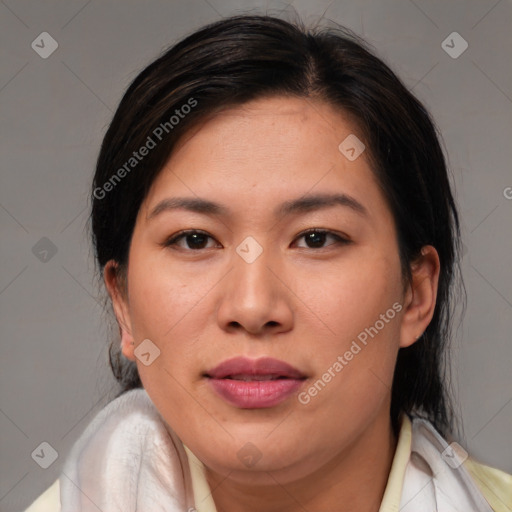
<point>194,239</point>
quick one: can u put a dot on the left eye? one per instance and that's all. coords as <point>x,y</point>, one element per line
<point>315,238</point>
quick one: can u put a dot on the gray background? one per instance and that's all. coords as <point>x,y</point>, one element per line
<point>54,375</point>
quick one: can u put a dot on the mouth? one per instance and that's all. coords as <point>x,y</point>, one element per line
<point>254,384</point>
<point>265,368</point>
<point>251,378</point>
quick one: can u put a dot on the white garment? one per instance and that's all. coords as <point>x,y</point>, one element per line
<point>126,461</point>
<point>129,460</point>
<point>430,483</point>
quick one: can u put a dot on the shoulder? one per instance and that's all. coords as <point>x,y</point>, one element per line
<point>494,484</point>
<point>49,501</point>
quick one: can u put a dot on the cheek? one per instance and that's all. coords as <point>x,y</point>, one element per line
<point>166,307</point>
<point>358,333</point>
<point>350,297</point>
<point>353,376</point>
<point>161,308</point>
<point>163,298</point>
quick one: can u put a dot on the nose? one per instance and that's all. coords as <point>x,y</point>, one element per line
<point>254,297</point>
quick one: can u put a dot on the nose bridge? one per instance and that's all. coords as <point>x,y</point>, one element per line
<point>253,281</point>
<point>254,298</point>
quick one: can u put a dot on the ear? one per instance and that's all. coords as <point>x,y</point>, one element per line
<point>116,288</point>
<point>420,297</point>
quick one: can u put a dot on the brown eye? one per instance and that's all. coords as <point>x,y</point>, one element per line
<point>194,240</point>
<point>316,238</point>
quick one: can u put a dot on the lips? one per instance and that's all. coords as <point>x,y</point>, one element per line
<point>254,383</point>
<point>265,368</point>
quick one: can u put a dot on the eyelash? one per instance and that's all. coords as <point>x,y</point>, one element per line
<point>172,241</point>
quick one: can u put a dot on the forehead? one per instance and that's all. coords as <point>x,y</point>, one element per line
<point>298,130</point>
<point>264,152</point>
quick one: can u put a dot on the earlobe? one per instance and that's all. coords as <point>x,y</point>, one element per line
<point>118,295</point>
<point>421,296</point>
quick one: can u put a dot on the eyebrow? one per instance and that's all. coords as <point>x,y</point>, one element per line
<point>303,204</point>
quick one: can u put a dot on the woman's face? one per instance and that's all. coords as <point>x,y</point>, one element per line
<point>253,285</point>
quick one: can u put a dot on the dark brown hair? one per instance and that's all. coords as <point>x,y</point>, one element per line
<point>242,58</point>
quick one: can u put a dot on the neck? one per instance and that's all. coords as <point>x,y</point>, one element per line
<point>355,479</point>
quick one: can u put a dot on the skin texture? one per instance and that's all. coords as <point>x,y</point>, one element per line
<point>297,303</point>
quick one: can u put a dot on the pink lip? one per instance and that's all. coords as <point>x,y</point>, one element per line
<point>283,380</point>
